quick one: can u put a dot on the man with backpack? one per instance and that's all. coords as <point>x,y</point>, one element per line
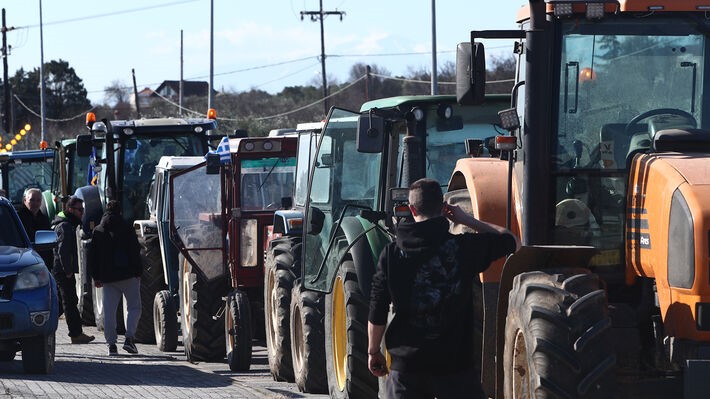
<point>115,264</point>
<point>428,275</point>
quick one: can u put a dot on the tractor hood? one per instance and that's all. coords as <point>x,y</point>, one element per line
<point>693,167</point>
<point>13,258</point>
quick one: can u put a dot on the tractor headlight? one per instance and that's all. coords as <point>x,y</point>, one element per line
<point>32,277</point>
<point>681,253</point>
<point>248,243</point>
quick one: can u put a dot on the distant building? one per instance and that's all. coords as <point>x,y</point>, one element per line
<point>171,89</point>
<point>144,98</point>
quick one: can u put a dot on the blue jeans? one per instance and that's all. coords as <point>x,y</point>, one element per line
<point>409,385</point>
<point>130,289</point>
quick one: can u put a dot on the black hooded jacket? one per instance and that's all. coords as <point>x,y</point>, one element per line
<point>65,253</point>
<point>114,253</point>
<point>428,276</point>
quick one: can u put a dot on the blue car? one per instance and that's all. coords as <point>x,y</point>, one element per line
<point>28,295</point>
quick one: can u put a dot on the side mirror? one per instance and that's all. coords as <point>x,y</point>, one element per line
<point>474,147</point>
<point>316,218</point>
<point>370,133</point>
<point>470,73</point>
<point>213,164</point>
<point>84,144</point>
<point>286,202</point>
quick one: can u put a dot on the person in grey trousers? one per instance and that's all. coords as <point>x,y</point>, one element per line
<point>115,264</point>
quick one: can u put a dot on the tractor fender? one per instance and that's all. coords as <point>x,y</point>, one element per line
<point>93,208</point>
<point>529,258</point>
<point>288,222</point>
<point>366,243</point>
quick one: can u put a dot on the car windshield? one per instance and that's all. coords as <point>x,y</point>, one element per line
<point>10,233</point>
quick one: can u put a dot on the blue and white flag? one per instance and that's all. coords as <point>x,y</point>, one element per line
<point>222,150</point>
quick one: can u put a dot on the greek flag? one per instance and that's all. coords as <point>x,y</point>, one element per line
<point>222,150</point>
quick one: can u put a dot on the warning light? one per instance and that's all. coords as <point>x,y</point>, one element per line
<point>90,119</point>
<point>587,74</point>
<point>211,113</point>
<point>43,145</point>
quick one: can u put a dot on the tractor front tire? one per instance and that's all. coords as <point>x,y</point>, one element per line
<point>238,331</point>
<point>557,337</point>
<point>38,354</point>
<point>346,338</point>
<point>308,340</point>
<point>165,321</point>
<point>279,276</point>
<point>152,281</point>
<point>200,300</point>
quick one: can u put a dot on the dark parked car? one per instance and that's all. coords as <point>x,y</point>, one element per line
<point>28,295</point>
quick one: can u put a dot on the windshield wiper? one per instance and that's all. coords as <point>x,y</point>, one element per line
<point>269,174</point>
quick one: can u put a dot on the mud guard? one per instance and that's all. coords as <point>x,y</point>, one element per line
<point>524,260</point>
<point>365,243</point>
<point>281,222</point>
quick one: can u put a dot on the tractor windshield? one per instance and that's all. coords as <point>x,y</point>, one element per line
<point>620,83</point>
<point>140,155</point>
<point>343,181</point>
<point>28,173</point>
<point>265,181</point>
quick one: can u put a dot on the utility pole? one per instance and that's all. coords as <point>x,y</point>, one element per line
<point>180,87</point>
<point>7,113</point>
<point>210,97</point>
<point>43,85</point>
<point>434,72</point>
<point>319,16</point>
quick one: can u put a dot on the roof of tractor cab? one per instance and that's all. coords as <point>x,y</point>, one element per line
<point>164,125</point>
<point>174,162</point>
<point>262,145</point>
<point>392,102</point>
<point>27,155</point>
<point>623,6</point>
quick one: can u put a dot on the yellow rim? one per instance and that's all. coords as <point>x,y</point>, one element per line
<point>186,308</point>
<point>340,336</point>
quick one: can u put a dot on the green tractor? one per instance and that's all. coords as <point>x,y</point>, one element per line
<point>350,172</point>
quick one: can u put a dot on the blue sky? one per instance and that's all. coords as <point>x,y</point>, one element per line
<point>104,40</point>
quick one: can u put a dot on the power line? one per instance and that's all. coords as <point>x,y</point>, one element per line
<point>110,14</point>
<point>33,112</point>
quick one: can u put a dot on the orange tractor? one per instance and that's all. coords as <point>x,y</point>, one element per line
<point>607,170</point>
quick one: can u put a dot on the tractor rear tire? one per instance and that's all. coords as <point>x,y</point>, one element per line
<point>558,337</point>
<point>85,303</point>
<point>462,199</point>
<point>165,321</point>
<point>279,275</point>
<point>307,334</point>
<point>200,300</point>
<point>238,331</point>
<point>152,281</point>
<point>346,310</point>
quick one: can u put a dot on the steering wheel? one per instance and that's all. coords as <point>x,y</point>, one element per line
<point>658,111</point>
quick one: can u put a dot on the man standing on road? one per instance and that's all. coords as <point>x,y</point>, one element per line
<point>66,264</point>
<point>115,264</point>
<point>428,275</point>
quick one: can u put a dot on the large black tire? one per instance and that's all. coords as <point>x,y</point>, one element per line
<point>557,337</point>
<point>346,338</point>
<point>279,275</point>
<point>238,331</point>
<point>152,281</point>
<point>307,334</point>
<point>98,304</point>
<point>165,321</point>
<point>38,354</point>
<point>200,300</point>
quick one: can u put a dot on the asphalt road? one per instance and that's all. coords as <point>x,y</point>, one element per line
<point>85,371</point>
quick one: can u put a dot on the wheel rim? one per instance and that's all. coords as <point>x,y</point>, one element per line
<point>340,337</point>
<point>186,308</point>
<point>297,339</point>
<point>156,323</point>
<point>270,309</point>
<point>520,373</point>
<point>230,328</point>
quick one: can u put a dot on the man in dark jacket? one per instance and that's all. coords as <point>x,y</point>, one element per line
<point>115,264</point>
<point>33,219</point>
<point>66,265</point>
<point>428,275</point>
